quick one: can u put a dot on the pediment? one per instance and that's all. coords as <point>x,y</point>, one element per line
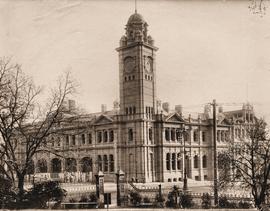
<point>175,117</point>
<point>103,119</point>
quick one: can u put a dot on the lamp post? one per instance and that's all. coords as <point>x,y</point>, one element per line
<point>185,185</point>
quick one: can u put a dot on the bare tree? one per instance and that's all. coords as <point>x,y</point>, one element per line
<point>258,6</point>
<point>250,162</point>
<point>24,124</point>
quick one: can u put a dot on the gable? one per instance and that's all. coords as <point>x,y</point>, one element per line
<point>103,120</point>
<point>174,118</point>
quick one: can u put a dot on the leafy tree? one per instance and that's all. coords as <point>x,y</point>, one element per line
<point>250,162</point>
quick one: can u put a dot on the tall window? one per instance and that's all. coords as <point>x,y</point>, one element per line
<point>99,136</point>
<point>105,160</point>
<point>105,136</point>
<point>178,135</point>
<point>203,136</point>
<point>196,161</point>
<point>111,136</point>
<point>204,159</point>
<point>73,140</point>
<point>168,161</point>
<point>83,139</point>
<point>67,140</point>
<point>130,134</point>
<point>150,134</point>
<point>167,134</point>
<point>111,163</point>
<point>173,161</point>
<point>178,161</point>
<point>99,163</point>
<point>89,138</point>
<point>173,134</point>
<point>195,136</point>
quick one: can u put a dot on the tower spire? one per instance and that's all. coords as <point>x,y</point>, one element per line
<point>135,6</point>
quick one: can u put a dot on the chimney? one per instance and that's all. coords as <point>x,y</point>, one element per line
<point>220,109</point>
<point>179,109</point>
<point>71,105</point>
<point>166,106</point>
<point>116,105</point>
<point>103,108</point>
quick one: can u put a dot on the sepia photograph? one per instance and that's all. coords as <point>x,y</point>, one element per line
<point>135,104</point>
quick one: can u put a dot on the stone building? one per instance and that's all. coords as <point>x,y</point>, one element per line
<point>142,137</point>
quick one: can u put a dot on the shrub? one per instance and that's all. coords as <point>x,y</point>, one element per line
<point>42,193</point>
<point>146,200</point>
<point>159,200</point>
<point>223,202</point>
<point>135,198</point>
<point>206,201</point>
<point>172,197</point>
<point>93,197</point>
<point>186,200</point>
<point>244,205</point>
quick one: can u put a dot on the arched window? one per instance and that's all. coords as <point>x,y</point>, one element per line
<point>71,165</point>
<point>86,164</point>
<point>111,136</point>
<point>56,165</point>
<point>168,161</point>
<point>130,134</point>
<point>30,167</point>
<point>204,161</point>
<point>106,163</point>
<point>111,160</point>
<point>203,136</point>
<point>167,134</point>
<point>196,161</point>
<point>42,166</point>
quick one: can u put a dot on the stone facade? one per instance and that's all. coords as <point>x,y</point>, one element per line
<point>139,136</point>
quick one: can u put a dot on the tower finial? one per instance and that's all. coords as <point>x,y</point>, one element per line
<point>135,6</point>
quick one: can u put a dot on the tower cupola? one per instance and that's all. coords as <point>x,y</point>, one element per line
<point>136,31</point>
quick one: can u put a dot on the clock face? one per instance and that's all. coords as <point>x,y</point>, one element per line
<point>149,65</point>
<point>129,64</point>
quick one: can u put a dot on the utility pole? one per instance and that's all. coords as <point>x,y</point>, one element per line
<point>214,104</point>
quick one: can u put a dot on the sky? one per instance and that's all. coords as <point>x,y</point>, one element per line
<point>207,49</point>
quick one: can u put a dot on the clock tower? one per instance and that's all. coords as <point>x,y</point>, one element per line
<point>137,71</point>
